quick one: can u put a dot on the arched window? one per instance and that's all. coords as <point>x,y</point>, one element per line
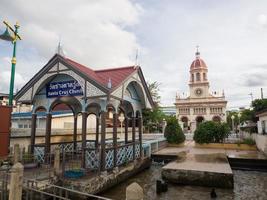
<point>216,119</point>
<point>199,119</point>
<point>204,77</point>
<point>198,76</point>
<point>192,77</point>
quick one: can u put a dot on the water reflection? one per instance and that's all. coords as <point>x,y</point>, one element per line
<point>247,185</point>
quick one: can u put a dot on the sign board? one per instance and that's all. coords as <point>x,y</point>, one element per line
<point>63,89</point>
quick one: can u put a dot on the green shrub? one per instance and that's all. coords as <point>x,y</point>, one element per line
<point>249,141</point>
<point>210,131</point>
<point>173,131</point>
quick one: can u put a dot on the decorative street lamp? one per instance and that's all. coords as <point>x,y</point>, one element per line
<point>164,125</point>
<point>6,36</point>
<point>233,117</point>
<point>239,116</point>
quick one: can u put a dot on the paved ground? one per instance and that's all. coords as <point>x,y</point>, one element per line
<point>217,163</point>
<point>197,159</point>
<point>190,149</point>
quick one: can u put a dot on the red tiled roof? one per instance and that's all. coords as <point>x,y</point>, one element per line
<point>198,63</point>
<point>116,75</point>
<point>89,72</point>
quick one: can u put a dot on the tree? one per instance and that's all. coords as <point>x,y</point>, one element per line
<point>210,131</point>
<point>154,91</point>
<point>248,115</point>
<point>259,104</point>
<point>152,119</point>
<point>173,131</point>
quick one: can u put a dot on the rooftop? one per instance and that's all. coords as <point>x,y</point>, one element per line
<point>116,75</point>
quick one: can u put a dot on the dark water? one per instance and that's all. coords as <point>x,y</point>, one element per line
<point>249,185</point>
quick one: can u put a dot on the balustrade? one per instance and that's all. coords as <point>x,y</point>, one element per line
<point>92,155</point>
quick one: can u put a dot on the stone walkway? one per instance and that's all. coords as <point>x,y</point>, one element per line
<point>189,148</point>
<point>197,166</point>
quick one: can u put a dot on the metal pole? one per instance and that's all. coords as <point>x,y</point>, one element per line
<point>13,61</point>
<point>232,124</point>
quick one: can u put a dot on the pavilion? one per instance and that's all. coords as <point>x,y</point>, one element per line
<point>121,91</point>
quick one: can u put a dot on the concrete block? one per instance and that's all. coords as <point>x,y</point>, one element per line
<point>15,191</point>
<point>16,153</point>
<point>134,192</point>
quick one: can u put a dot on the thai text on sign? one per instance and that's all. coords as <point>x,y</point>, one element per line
<point>63,89</point>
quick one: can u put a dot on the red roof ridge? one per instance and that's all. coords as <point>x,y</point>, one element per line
<point>90,72</point>
<point>115,68</point>
<point>68,59</point>
<point>117,75</point>
<point>102,70</point>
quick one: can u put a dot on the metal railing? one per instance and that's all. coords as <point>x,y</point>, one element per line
<point>4,181</point>
<point>35,190</point>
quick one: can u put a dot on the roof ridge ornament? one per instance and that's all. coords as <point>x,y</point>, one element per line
<point>60,50</point>
<point>109,83</point>
<point>136,58</point>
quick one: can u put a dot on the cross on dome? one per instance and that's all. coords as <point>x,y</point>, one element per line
<point>197,52</point>
<point>198,62</point>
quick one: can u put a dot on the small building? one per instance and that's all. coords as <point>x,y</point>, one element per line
<point>261,137</point>
<point>3,99</point>
<point>168,110</point>
<point>201,104</point>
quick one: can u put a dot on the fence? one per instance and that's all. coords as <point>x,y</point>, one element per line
<point>4,181</point>
<point>114,156</point>
<point>33,190</point>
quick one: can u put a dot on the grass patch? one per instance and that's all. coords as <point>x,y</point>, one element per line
<point>249,141</point>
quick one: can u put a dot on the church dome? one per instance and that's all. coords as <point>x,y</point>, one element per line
<point>198,63</point>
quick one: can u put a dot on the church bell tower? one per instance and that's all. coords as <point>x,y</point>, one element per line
<point>198,84</point>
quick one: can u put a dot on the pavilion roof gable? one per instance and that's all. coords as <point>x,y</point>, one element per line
<point>106,80</point>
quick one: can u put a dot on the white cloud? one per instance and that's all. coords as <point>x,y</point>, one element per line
<point>5,81</point>
<point>106,33</point>
<point>7,60</point>
<point>92,32</point>
<point>262,19</point>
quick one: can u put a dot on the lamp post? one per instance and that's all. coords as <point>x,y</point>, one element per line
<point>164,125</point>
<point>6,36</point>
<point>239,116</point>
<point>233,117</point>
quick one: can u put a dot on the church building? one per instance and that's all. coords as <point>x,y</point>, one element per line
<point>201,104</point>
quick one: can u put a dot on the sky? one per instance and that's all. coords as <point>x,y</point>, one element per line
<point>232,35</point>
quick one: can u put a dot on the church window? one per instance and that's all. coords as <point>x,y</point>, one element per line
<point>204,77</point>
<point>192,77</point>
<point>198,76</point>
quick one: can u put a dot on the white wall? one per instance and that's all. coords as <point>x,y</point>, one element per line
<point>68,122</point>
<point>261,124</point>
<point>261,141</point>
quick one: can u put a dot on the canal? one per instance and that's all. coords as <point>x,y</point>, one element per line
<point>247,185</point>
